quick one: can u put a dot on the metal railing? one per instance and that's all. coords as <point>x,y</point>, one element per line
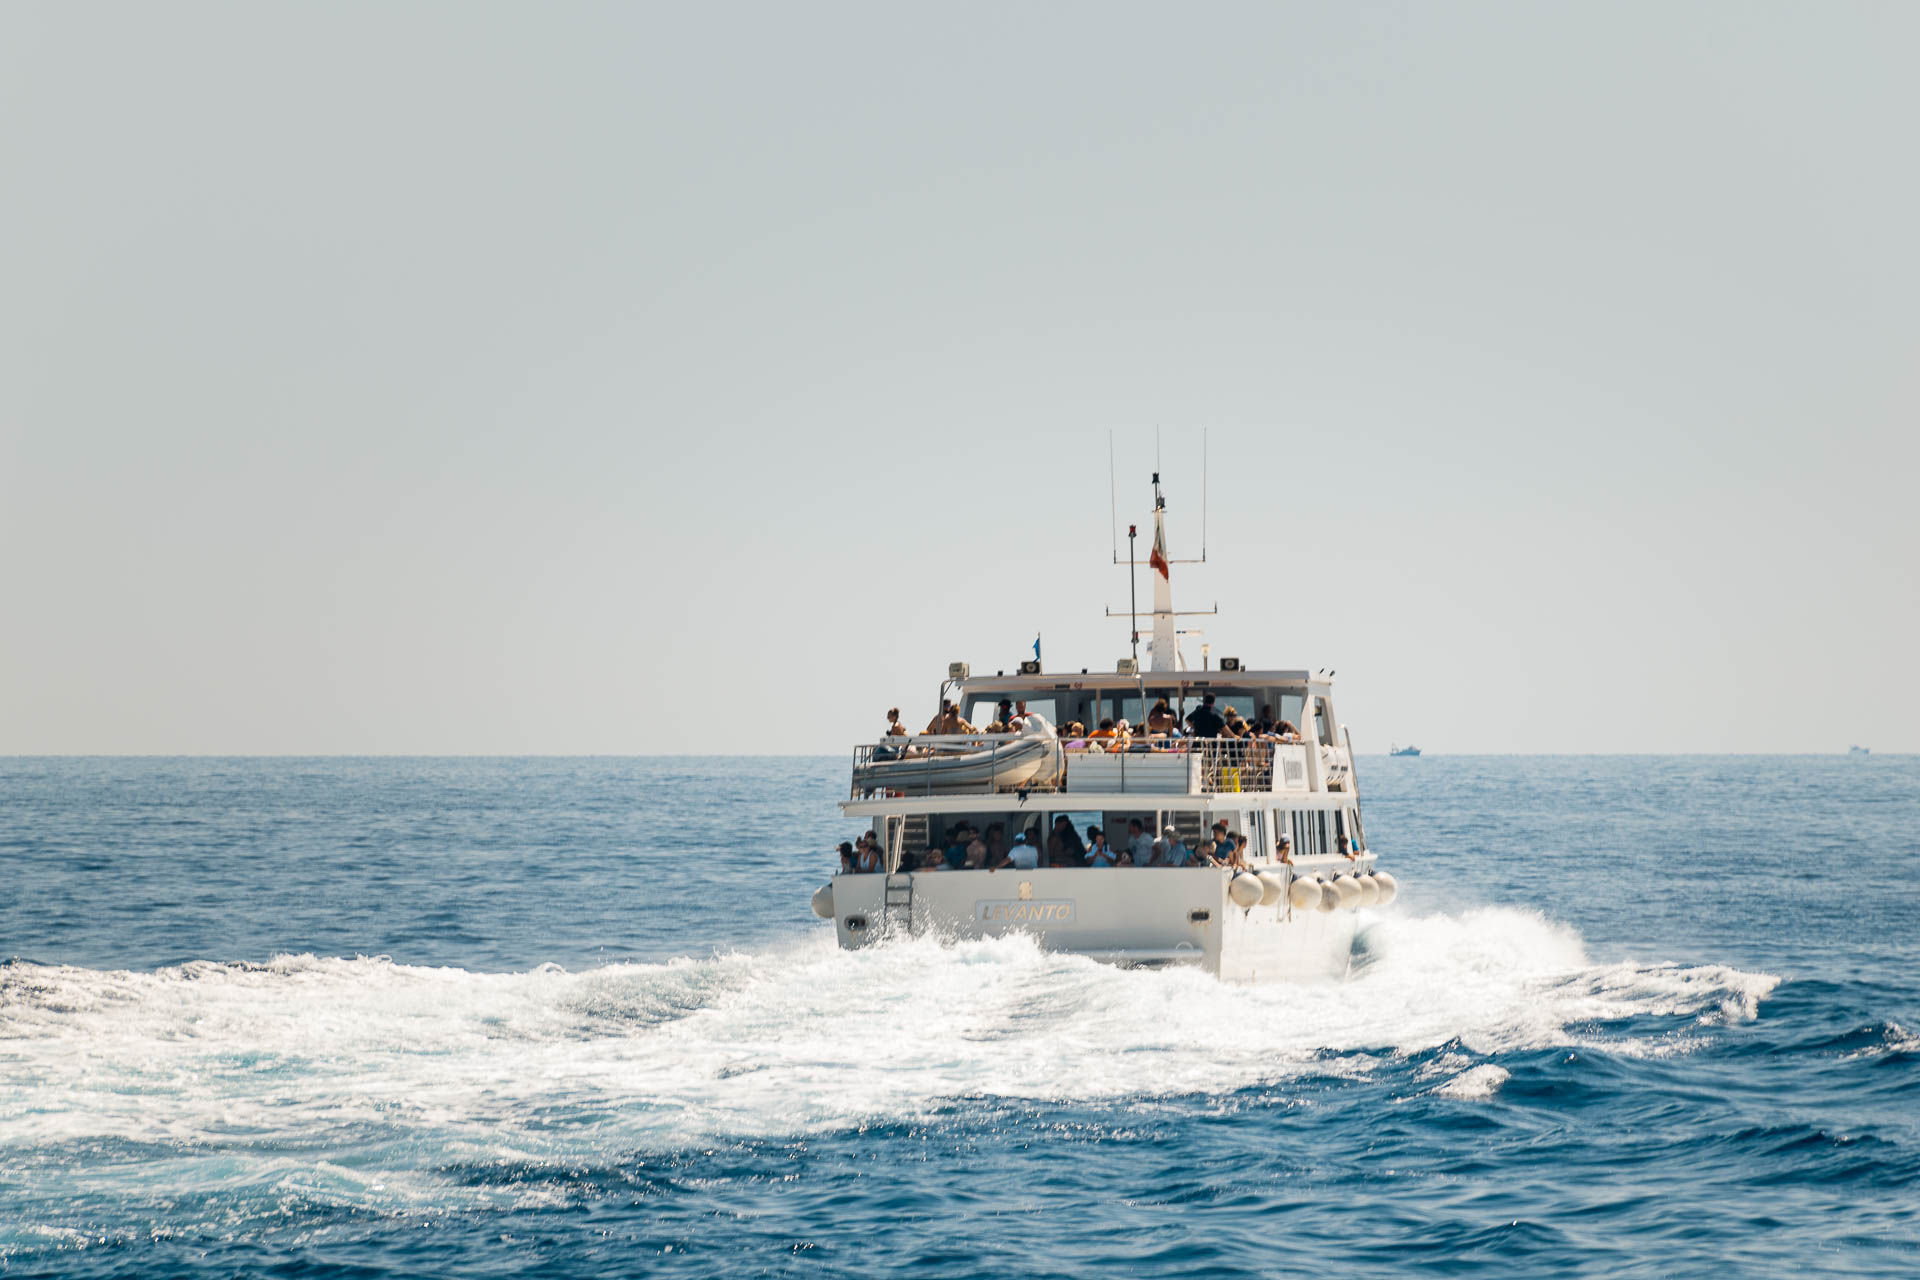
<point>990,764</point>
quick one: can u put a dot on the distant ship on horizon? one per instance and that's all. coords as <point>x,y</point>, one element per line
<point>1859,751</point>
<point>1403,751</point>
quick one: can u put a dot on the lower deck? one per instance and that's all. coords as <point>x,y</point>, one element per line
<point>1123,915</point>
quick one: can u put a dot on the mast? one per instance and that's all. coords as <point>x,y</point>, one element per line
<point>1164,652</point>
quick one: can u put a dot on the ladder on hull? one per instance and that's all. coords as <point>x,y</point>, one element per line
<point>897,911</point>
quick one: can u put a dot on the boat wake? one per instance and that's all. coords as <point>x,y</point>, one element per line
<point>308,1053</point>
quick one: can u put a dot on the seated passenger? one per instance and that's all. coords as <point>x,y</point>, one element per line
<point>1003,711</point>
<point>868,856</point>
<point>1098,852</point>
<point>932,860</point>
<point>846,857</point>
<point>1022,856</point>
<point>1105,731</point>
<point>1167,851</point>
<point>894,728</point>
<point>956,851</point>
<point>949,720</point>
<point>1161,719</point>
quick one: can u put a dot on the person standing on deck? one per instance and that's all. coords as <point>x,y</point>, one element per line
<point>1203,721</point>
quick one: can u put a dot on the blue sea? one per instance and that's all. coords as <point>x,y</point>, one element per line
<point>573,1017</point>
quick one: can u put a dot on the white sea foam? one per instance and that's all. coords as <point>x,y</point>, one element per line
<point>304,1054</point>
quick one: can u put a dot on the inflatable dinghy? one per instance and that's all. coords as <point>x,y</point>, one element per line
<point>1031,759</point>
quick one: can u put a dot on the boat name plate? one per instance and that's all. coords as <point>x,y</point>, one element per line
<point>1033,911</point>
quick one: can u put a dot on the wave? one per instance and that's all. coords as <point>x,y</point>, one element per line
<point>309,1054</point>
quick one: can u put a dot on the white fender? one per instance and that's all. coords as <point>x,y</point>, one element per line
<point>1389,887</point>
<point>1369,890</point>
<point>1304,894</point>
<point>1245,889</point>
<point>1329,896</point>
<point>823,901</point>
<point>1272,888</point>
<point>1349,890</point>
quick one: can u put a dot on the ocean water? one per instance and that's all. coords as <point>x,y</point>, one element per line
<point>1630,1017</point>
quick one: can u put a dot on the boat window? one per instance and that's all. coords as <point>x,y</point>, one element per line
<point>982,707</point>
<point>1324,728</point>
<point>1289,708</point>
<point>1246,704</point>
<point>1131,709</point>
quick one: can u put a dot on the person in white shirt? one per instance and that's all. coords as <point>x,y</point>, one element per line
<point>1022,856</point>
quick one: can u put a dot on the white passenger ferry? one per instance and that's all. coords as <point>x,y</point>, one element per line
<point>1278,911</point>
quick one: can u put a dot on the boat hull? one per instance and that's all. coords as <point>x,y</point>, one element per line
<point>1123,915</point>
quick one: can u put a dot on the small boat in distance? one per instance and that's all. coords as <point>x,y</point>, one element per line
<point>1403,751</point>
<point>1859,751</point>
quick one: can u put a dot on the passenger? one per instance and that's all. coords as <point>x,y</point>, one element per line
<point>996,842</point>
<point>1139,843</point>
<point>1003,711</point>
<point>868,857</point>
<point>1286,732</point>
<point>1234,727</point>
<point>1283,849</point>
<point>1161,719</point>
<point>1263,722</point>
<point>1022,856</point>
<point>1099,854</point>
<point>846,857</point>
<point>1167,851</point>
<point>949,720</point>
<point>932,860</point>
<point>1340,847</point>
<point>1179,853</point>
<point>976,850</point>
<point>1105,732</point>
<point>894,728</point>
<point>1203,721</point>
<point>956,852</point>
<point>1204,855</point>
<point>1236,852</point>
<point>1063,845</point>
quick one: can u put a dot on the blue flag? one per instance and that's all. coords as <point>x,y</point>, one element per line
<point>1036,646</point>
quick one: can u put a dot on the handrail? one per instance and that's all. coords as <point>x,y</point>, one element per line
<point>1219,765</point>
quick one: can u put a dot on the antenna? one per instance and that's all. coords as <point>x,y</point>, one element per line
<point>1113,501</point>
<point>1203,495</point>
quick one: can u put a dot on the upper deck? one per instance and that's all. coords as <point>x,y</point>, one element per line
<point>1306,760</point>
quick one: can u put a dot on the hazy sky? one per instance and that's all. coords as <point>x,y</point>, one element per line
<point>563,378</point>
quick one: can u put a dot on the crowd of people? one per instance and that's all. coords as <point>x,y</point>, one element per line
<point>1160,731</point>
<point>969,848</point>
